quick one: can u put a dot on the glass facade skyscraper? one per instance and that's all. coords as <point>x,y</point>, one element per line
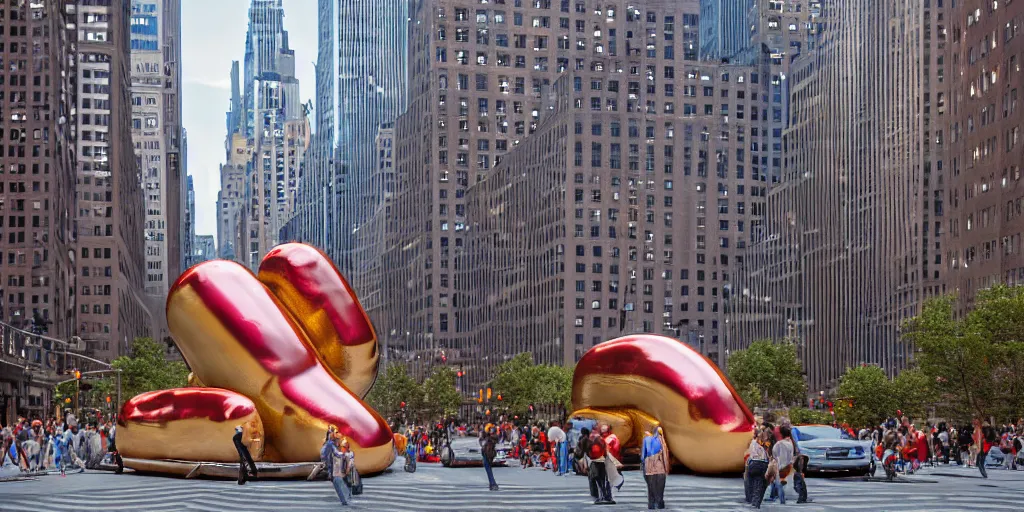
<point>360,85</point>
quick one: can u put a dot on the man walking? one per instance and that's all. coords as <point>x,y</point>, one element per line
<point>488,452</point>
<point>597,449</point>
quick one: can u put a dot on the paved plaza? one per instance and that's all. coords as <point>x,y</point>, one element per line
<point>434,488</point>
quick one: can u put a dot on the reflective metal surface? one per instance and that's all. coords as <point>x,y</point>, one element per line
<point>636,382</point>
<point>290,347</point>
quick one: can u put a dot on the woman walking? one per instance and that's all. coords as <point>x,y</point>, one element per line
<point>758,466</point>
<point>656,463</point>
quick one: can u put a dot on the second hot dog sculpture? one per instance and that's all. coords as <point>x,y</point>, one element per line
<point>634,382</point>
<point>294,344</point>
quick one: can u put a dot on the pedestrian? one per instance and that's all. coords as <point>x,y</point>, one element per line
<point>981,444</point>
<point>655,457</point>
<point>611,440</point>
<point>758,466</point>
<point>488,452</point>
<point>246,466</point>
<point>561,447</point>
<point>783,452</point>
<point>598,471</point>
<point>340,467</point>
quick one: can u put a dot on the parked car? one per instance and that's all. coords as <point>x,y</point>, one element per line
<point>830,449</point>
<point>464,452</point>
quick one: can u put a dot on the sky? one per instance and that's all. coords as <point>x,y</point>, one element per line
<point>213,34</point>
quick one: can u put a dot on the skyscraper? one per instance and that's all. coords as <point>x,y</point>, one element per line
<point>725,27</point>
<point>268,135</point>
<point>204,249</point>
<point>109,213</point>
<point>838,267</point>
<point>188,224</point>
<point>985,186</point>
<point>232,172</point>
<point>37,201</point>
<point>481,264</point>
<point>156,130</point>
<point>361,84</point>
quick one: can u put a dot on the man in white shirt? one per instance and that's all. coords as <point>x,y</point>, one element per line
<point>784,453</point>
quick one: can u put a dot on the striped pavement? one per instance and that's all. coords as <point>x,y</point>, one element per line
<point>440,489</point>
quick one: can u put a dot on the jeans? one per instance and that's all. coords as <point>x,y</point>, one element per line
<point>342,489</point>
<point>778,491</point>
<point>562,453</point>
<point>980,462</point>
<point>490,473</point>
<point>655,491</point>
<point>757,481</point>
<point>746,482</point>
<point>600,478</point>
<point>800,486</point>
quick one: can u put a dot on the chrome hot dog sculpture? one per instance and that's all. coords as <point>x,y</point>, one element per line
<point>638,382</point>
<point>285,354</point>
<point>290,352</point>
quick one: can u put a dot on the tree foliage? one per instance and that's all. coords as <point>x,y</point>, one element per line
<point>441,397</point>
<point>394,386</point>
<point>975,362</point>
<point>805,416</point>
<point>875,398</point>
<point>145,369</point>
<point>520,383</point>
<point>767,374</point>
<point>872,394</point>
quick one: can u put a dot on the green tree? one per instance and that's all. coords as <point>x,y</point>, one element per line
<point>514,382</point>
<point>147,369</point>
<point>552,385</point>
<point>394,386</point>
<point>144,369</point>
<point>520,383</point>
<point>768,373</point>
<point>872,394</point>
<point>914,393</point>
<point>440,396</point>
<point>805,416</point>
<point>975,361</point>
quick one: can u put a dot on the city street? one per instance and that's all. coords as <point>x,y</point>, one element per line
<point>435,488</point>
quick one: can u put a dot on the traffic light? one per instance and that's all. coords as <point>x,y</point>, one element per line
<point>67,400</point>
<point>108,399</point>
<point>488,393</point>
<point>78,374</point>
<point>499,397</point>
<point>402,405</point>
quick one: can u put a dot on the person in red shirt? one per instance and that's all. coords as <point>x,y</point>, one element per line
<point>611,440</point>
<point>597,448</point>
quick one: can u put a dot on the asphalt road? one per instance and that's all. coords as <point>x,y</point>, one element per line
<point>434,488</point>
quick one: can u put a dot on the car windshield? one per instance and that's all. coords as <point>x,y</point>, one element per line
<point>811,433</point>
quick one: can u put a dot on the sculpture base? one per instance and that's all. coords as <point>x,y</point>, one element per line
<point>192,469</point>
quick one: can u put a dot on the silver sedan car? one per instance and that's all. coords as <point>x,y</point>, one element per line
<point>829,449</point>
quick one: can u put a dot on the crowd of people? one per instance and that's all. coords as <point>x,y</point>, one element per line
<point>41,445</point>
<point>772,459</point>
<point>577,447</point>
<point>903,448</point>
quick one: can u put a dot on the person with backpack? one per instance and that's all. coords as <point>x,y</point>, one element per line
<point>598,472</point>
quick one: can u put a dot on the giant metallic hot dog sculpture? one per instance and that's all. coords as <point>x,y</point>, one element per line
<point>637,382</point>
<point>286,355</point>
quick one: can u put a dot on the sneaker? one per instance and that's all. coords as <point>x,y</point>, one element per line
<point>494,487</point>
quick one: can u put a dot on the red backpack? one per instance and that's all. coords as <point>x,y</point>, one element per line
<point>597,448</point>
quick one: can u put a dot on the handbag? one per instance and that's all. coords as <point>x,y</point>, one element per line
<point>773,471</point>
<point>355,482</point>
